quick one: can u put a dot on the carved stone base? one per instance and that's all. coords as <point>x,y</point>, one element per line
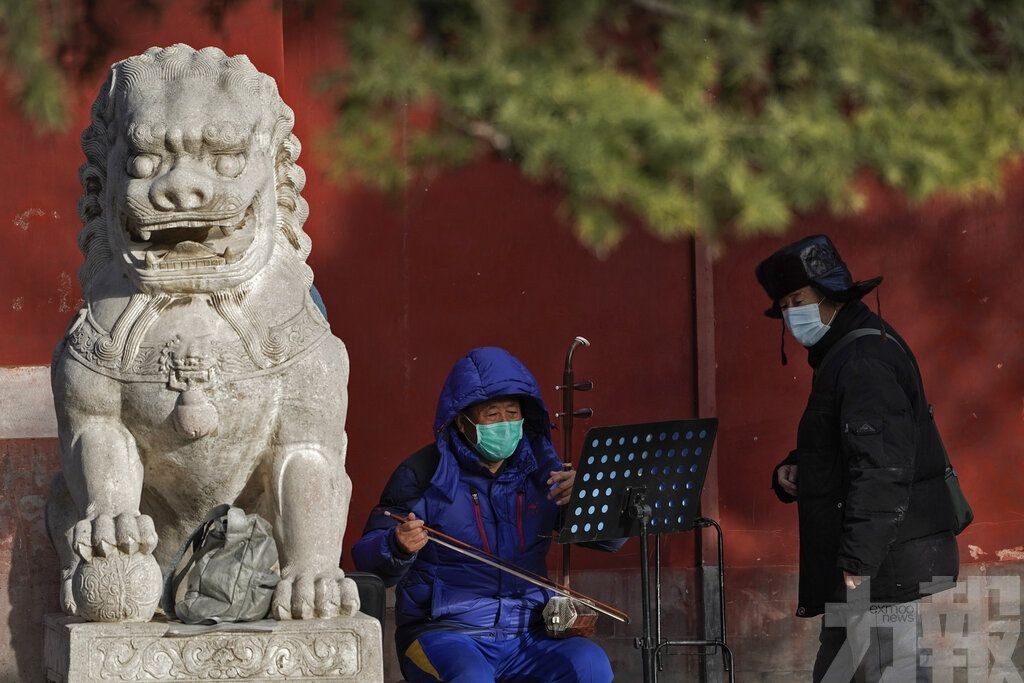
<point>342,649</point>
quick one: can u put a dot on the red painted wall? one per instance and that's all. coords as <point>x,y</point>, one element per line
<point>953,289</point>
<point>478,256</point>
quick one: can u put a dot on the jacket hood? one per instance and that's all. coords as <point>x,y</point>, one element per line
<point>485,373</point>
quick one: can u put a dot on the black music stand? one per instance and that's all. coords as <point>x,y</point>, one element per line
<point>643,479</point>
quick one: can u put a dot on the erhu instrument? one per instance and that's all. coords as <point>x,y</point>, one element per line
<point>564,616</point>
<point>479,555</point>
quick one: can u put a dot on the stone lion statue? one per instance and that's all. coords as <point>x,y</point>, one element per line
<point>198,371</point>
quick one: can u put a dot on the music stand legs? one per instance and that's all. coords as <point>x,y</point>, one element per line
<point>650,644</point>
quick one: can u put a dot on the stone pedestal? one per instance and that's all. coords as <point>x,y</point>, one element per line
<point>341,649</point>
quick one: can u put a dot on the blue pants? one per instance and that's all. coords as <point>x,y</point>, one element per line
<point>459,657</point>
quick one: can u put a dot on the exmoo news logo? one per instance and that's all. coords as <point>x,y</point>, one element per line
<point>967,633</point>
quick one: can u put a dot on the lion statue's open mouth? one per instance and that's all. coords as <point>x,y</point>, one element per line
<point>185,241</point>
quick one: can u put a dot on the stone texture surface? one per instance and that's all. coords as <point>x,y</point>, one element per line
<point>26,403</point>
<point>29,576</point>
<point>198,370</point>
<point>339,649</point>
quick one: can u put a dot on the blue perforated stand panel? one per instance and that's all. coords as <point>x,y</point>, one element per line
<point>669,459</point>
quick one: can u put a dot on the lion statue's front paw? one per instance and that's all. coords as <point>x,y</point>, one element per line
<point>105,535</point>
<point>314,595</point>
<point>117,577</point>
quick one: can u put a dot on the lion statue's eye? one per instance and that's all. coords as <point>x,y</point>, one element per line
<point>141,165</point>
<point>229,165</point>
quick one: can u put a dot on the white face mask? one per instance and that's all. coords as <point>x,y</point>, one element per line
<point>804,323</point>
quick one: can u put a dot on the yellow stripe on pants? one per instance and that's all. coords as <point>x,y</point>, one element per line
<point>418,657</point>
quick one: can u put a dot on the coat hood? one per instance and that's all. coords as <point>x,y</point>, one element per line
<point>485,373</point>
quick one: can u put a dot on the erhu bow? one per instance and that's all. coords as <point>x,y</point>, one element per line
<point>487,558</point>
<point>564,616</point>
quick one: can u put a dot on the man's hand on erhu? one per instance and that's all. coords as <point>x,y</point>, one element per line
<point>561,486</point>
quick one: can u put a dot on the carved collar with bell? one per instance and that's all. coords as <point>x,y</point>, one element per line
<point>183,362</point>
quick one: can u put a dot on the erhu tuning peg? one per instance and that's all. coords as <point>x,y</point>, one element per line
<point>585,385</point>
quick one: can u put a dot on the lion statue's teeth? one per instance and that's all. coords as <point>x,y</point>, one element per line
<point>189,250</point>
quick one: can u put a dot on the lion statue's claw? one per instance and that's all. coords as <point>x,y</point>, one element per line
<point>312,595</point>
<point>104,535</point>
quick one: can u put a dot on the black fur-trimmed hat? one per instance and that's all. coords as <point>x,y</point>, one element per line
<point>811,261</point>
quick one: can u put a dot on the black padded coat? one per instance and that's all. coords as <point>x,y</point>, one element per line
<point>872,499</point>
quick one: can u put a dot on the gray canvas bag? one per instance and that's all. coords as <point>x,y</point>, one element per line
<point>231,573</point>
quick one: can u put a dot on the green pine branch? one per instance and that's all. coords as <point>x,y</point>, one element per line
<point>689,115</point>
<point>36,82</point>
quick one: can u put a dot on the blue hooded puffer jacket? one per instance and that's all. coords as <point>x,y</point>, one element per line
<point>507,514</point>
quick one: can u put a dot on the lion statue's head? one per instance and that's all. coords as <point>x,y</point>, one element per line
<point>190,181</point>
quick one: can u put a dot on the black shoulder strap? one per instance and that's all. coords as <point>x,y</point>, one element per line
<point>848,339</point>
<point>864,332</point>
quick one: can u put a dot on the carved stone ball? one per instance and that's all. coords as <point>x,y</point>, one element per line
<point>117,588</point>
